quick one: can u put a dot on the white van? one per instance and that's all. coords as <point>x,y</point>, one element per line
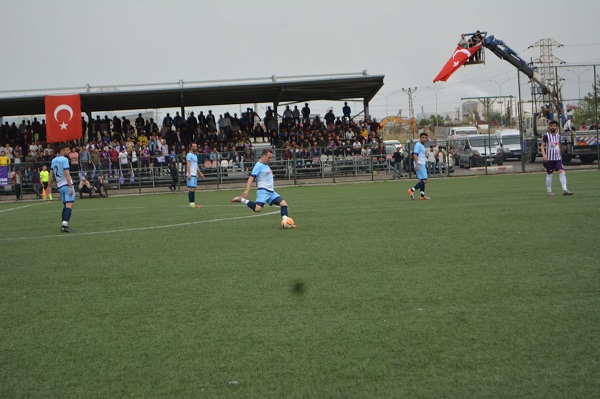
<point>510,141</point>
<point>479,150</point>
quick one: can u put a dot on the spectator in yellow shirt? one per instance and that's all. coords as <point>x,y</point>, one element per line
<point>4,160</point>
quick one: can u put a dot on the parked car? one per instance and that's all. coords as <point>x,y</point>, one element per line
<point>510,141</point>
<point>479,150</point>
<point>455,143</point>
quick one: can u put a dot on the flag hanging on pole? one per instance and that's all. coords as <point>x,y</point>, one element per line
<point>458,59</point>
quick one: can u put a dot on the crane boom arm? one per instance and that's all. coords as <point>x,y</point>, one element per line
<point>503,51</point>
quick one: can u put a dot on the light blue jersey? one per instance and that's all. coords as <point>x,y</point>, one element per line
<point>264,177</point>
<point>421,154</point>
<point>193,161</point>
<point>421,160</point>
<point>59,165</point>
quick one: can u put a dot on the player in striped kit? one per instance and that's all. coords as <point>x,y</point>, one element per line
<point>552,159</point>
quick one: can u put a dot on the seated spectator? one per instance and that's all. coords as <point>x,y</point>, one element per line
<point>99,186</point>
<point>85,187</point>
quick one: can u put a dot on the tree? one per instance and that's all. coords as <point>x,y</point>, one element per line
<point>589,107</point>
<point>436,118</point>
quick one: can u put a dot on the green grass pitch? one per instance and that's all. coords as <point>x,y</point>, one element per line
<point>491,289</point>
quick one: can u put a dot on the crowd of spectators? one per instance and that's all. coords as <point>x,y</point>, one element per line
<point>116,147</point>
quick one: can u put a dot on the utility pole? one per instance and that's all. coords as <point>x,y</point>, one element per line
<point>411,110</point>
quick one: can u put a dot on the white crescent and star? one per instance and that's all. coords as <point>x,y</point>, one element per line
<point>63,107</point>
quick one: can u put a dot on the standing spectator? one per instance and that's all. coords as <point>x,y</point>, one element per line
<point>201,121</point>
<point>114,161</point>
<point>17,179</point>
<point>463,42</point>
<point>247,160</point>
<point>123,159</point>
<point>95,160</point>
<point>167,121</point>
<point>552,160</point>
<point>296,115</point>
<point>117,125</point>
<point>85,159</point>
<point>4,160</point>
<point>60,170</point>
<point>192,172</point>
<point>36,183</point>
<point>145,157</point>
<point>375,126</point>
<point>441,161</point>
<point>420,164</point>
<point>140,123</point>
<point>210,121</point>
<point>74,158</point>
<point>305,113</point>
<point>398,157</point>
<point>173,171</point>
<point>177,120</point>
<point>287,116</point>
<point>431,160</point>
<point>192,124</point>
<point>330,117</point>
<point>346,111</point>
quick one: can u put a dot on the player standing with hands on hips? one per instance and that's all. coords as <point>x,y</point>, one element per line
<point>60,169</point>
<point>192,170</point>
<point>420,161</point>
<point>552,159</point>
<point>265,193</point>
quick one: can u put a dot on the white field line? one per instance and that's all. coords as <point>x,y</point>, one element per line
<point>18,208</point>
<point>89,233</point>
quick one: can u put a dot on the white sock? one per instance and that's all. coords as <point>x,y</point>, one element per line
<point>244,201</point>
<point>548,183</point>
<point>65,223</point>
<point>563,181</point>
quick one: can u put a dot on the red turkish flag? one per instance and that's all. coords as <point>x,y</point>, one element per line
<point>63,118</point>
<point>460,56</point>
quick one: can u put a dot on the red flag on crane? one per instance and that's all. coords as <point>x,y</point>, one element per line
<point>458,59</point>
<point>63,118</point>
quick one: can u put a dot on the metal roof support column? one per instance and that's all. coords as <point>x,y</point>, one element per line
<point>366,109</point>
<point>182,106</point>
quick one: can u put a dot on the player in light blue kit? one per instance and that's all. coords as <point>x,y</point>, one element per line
<point>420,161</point>
<point>192,170</point>
<point>60,169</point>
<point>265,193</point>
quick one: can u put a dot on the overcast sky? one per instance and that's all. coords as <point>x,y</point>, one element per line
<point>71,43</point>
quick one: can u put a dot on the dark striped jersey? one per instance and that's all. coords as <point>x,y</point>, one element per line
<point>552,146</point>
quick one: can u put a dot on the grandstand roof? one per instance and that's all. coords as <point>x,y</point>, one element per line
<point>363,87</point>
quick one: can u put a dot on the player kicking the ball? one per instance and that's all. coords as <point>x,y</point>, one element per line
<point>265,194</point>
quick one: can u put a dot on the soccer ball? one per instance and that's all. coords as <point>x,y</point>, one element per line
<point>287,223</point>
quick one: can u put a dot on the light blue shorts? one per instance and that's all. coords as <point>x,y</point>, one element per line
<point>422,172</point>
<point>266,197</point>
<point>192,183</point>
<point>64,194</point>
